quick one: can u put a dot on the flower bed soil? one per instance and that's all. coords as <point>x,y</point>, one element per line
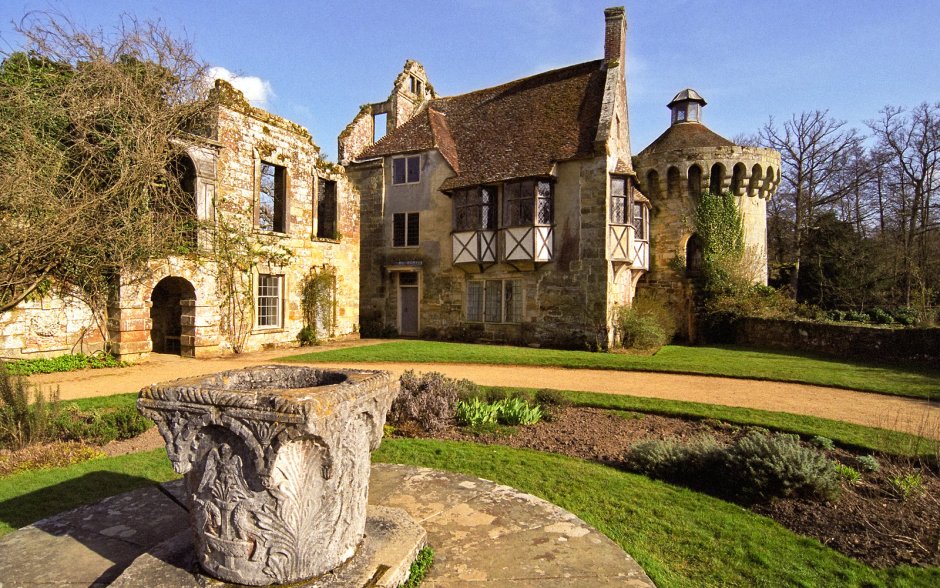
<point>869,520</point>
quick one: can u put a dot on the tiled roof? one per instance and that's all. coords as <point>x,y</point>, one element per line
<point>685,135</point>
<point>518,129</point>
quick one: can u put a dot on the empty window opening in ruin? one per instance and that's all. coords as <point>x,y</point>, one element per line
<point>327,210</point>
<point>379,126</point>
<point>414,85</point>
<point>180,208</point>
<point>406,170</point>
<point>272,205</point>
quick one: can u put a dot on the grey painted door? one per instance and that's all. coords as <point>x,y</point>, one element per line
<point>409,311</point>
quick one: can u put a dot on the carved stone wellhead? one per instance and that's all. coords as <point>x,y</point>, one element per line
<point>276,460</point>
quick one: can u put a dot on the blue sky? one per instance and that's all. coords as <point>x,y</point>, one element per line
<point>316,62</point>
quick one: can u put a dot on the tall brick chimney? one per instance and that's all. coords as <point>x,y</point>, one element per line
<point>615,34</point>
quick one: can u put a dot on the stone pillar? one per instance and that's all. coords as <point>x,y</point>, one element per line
<point>129,332</point>
<point>277,462</point>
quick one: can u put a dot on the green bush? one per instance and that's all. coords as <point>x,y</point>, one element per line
<point>475,412</point>
<point>836,315</point>
<point>516,411</point>
<point>63,363</point>
<point>494,395</point>
<point>757,466</point>
<point>99,427</point>
<point>823,443</point>
<point>856,316</point>
<point>548,397</point>
<point>848,473</point>
<point>880,317</point>
<point>908,485</point>
<point>647,324</point>
<point>23,422</point>
<point>905,315</point>
<point>868,463</point>
<point>307,336</point>
<point>428,400</point>
<point>765,465</point>
<point>696,463</point>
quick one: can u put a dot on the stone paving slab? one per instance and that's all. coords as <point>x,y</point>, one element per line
<point>392,542</point>
<point>483,534</point>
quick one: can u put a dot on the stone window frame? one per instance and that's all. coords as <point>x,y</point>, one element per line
<point>479,292</point>
<point>277,295</point>
<point>322,209</point>
<point>280,221</point>
<point>406,178</point>
<point>410,229</point>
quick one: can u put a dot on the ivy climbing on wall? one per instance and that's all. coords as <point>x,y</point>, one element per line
<point>318,302</point>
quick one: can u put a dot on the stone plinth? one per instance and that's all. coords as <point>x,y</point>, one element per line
<point>277,465</point>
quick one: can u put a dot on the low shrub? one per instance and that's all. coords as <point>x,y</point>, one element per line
<point>907,485</point>
<point>848,473</point>
<point>475,412</point>
<point>836,315</point>
<point>496,395</point>
<point>24,420</point>
<point>63,363</point>
<point>757,466</point>
<point>42,456</point>
<point>880,317</point>
<point>548,397</point>
<point>823,443</point>
<point>307,336</point>
<point>99,427</point>
<point>856,316</point>
<point>905,316</point>
<point>776,464</point>
<point>427,400</point>
<point>516,411</point>
<point>869,463</point>
<point>696,463</point>
<point>647,324</point>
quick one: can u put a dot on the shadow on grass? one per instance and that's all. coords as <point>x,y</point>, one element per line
<point>116,531</point>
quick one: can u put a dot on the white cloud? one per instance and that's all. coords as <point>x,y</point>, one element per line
<point>256,90</point>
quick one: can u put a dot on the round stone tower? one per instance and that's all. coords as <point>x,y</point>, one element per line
<point>674,170</point>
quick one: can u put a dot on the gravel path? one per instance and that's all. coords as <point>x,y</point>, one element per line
<point>903,414</point>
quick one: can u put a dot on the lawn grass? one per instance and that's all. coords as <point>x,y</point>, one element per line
<point>680,537</point>
<point>845,434</point>
<point>30,496</point>
<point>734,362</point>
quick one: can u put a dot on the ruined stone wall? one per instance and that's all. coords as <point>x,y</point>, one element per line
<point>48,326</point>
<point>249,136</point>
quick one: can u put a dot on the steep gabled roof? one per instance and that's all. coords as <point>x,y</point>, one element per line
<point>685,135</point>
<point>518,129</point>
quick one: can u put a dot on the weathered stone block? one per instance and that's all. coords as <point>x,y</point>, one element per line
<point>277,465</point>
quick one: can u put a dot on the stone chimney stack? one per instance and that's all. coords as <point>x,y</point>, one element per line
<point>615,35</point>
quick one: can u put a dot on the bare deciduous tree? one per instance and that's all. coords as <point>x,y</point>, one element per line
<point>908,145</point>
<point>90,127</point>
<point>815,148</point>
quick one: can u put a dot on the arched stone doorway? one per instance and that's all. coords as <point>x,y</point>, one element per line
<point>171,314</point>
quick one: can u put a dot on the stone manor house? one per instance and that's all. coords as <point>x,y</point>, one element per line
<point>515,213</point>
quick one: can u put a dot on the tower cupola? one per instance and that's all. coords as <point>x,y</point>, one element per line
<point>686,106</point>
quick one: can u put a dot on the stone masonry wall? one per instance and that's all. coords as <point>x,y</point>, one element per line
<point>848,341</point>
<point>47,327</point>
<point>249,136</point>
